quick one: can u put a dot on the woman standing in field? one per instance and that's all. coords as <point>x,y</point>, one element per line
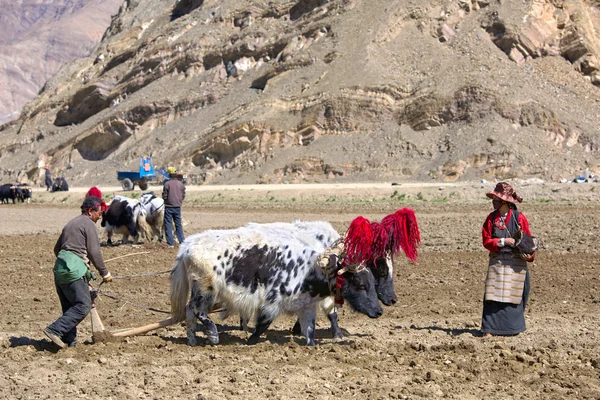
<point>507,281</point>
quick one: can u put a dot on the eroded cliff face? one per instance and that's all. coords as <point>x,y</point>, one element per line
<point>247,91</point>
<point>37,37</point>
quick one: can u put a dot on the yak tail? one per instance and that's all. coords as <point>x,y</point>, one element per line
<point>180,288</point>
<point>143,227</point>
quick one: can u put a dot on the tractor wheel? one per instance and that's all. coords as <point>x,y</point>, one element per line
<point>127,184</point>
<point>143,184</point>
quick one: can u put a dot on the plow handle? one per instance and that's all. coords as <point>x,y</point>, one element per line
<point>144,329</point>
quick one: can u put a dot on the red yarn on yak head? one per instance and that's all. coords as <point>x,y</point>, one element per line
<point>95,192</point>
<point>380,240</point>
<point>404,233</point>
<point>357,242</point>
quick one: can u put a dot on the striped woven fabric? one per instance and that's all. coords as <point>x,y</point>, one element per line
<point>505,280</point>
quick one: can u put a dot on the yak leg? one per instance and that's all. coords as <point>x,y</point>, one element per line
<point>262,324</point>
<point>109,240</point>
<point>336,332</point>
<point>211,329</point>
<point>190,323</point>
<point>307,324</point>
<point>328,308</point>
<point>198,308</point>
<point>243,323</point>
<point>155,231</point>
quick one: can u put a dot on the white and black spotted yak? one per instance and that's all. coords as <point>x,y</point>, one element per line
<point>125,216</point>
<point>380,244</point>
<point>320,230</point>
<point>263,272</point>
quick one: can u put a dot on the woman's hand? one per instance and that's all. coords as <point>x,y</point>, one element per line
<point>509,242</point>
<point>527,257</point>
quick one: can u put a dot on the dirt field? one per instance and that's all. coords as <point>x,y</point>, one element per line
<point>427,345</point>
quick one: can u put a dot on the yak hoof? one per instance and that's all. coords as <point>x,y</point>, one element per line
<point>214,340</point>
<point>252,340</point>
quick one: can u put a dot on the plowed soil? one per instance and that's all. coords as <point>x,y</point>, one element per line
<point>427,345</point>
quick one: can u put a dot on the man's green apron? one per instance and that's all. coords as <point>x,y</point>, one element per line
<point>69,267</point>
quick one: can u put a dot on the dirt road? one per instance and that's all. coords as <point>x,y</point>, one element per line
<point>427,345</point>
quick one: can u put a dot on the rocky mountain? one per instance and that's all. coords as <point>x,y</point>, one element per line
<point>248,91</point>
<point>38,36</point>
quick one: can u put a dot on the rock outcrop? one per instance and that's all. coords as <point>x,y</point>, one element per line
<point>561,28</point>
<point>310,90</point>
<point>37,38</point>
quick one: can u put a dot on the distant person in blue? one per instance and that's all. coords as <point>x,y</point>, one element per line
<point>48,178</point>
<point>173,195</point>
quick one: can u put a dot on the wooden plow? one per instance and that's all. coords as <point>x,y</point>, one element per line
<point>100,334</point>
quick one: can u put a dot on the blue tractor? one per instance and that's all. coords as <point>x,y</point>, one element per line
<point>141,177</point>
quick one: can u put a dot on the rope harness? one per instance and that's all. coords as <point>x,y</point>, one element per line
<point>332,264</point>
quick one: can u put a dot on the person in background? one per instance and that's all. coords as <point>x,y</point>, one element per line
<point>507,282</point>
<point>173,195</point>
<point>48,179</point>
<point>77,246</point>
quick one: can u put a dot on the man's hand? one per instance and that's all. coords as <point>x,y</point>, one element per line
<point>527,257</point>
<point>509,242</point>
<point>107,278</point>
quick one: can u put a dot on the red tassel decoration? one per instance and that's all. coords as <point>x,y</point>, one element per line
<point>95,192</point>
<point>380,240</point>
<point>404,233</point>
<point>358,240</point>
<point>394,227</point>
<point>411,236</point>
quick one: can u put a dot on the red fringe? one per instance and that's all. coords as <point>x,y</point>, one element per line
<point>358,240</point>
<point>380,240</point>
<point>95,192</point>
<point>404,233</point>
<point>394,227</point>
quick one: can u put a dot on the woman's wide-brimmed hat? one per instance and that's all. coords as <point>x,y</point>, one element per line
<point>505,192</point>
